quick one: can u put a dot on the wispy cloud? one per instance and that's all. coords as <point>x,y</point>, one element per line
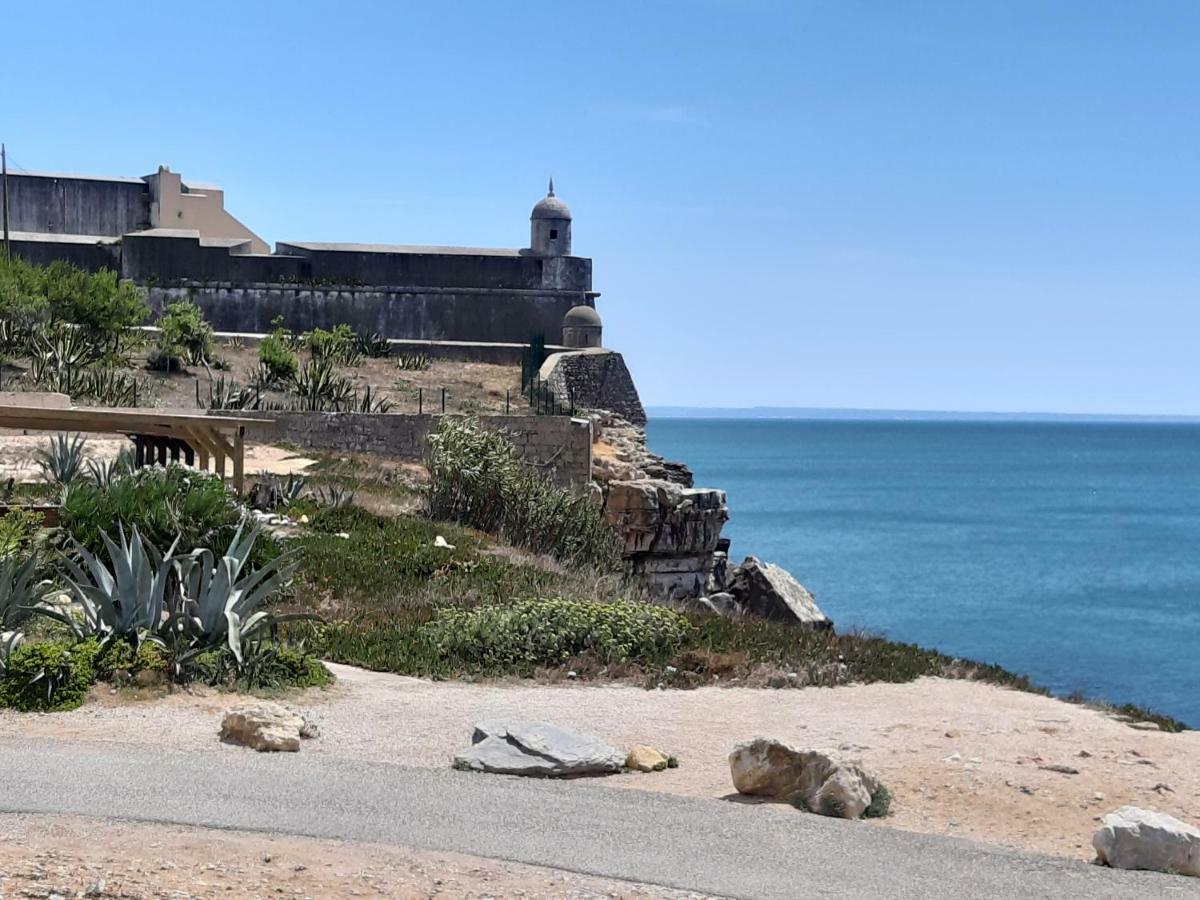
<point>666,114</point>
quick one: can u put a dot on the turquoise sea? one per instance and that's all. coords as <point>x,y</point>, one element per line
<point>1068,551</point>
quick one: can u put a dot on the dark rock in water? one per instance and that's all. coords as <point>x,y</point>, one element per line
<point>537,749</point>
<point>769,591</point>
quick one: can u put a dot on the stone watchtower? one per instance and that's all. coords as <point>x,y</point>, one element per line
<point>582,328</point>
<point>550,226</point>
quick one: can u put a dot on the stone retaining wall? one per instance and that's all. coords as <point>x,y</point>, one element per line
<point>559,446</point>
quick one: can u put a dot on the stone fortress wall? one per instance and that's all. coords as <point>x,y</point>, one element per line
<point>558,446</point>
<point>176,239</point>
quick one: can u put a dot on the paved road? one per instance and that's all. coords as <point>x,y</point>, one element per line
<point>709,846</point>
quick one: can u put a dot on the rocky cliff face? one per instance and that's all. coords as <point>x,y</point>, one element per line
<point>671,533</point>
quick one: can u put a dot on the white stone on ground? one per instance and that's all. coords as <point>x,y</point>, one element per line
<point>265,726</point>
<point>1135,838</point>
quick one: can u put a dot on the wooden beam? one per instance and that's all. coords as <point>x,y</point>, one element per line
<point>239,461</point>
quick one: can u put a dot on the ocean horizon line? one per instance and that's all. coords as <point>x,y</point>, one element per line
<point>817,413</point>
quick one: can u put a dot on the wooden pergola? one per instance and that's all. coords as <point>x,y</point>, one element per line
<point>199,439</point>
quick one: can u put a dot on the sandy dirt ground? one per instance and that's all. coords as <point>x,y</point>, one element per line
<point>58,856</point>
<point>960,758</point>
<point>18,455</point>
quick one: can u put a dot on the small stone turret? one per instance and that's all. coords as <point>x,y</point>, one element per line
<point>550,226</point>
<point>582,328</point>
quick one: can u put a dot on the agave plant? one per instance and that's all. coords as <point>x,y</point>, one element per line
<point>121,600</point>
<point>228,394</point>
<point>219,605</point>
<point>369,401</point>
<point>104,473</point>
<point>9,641</point>
<point>110,386</point>
<point>335,497</point>
<point>20,591</point>
<point>61,461</point>
<point>319,389</point>
<point>57,356</point>
<point>373,345</point>
<point>293,488</point>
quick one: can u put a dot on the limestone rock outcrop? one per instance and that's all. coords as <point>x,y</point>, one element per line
<point>769,591</point>
<point>537,749</point>
<point>620,454</point>
<point>818,780</point>
<point>1135,838</point>
<point>669,532</point>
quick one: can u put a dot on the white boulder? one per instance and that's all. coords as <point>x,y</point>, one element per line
<point>819,780</point>
<point>1135,838</point>
<point>265,726</point>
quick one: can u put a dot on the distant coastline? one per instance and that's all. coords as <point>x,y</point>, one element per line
<point>901,415</point>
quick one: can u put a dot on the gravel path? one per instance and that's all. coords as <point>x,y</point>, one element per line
<point>961,759</point>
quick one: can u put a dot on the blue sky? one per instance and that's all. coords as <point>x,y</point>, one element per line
<point>935,205</point>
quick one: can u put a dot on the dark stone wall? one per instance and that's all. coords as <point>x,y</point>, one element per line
<point>557,446</point>
<point>416,314</point>
<point>594,379</point>
<point>51,205</point>
<point>415,296</point>
<point>93,257</point>
<point>456,270</point>
<point>152,260</point>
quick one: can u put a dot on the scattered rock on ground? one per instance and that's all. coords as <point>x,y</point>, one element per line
<point>822,782</point>
<point>1060,769</point>
<point>721,603</point>
<point>769,591</point>
<point>263,725</point>
<point>1135,838</point>
<point>537,749</point>
<point>645,759</point>
<point>1145,726</point>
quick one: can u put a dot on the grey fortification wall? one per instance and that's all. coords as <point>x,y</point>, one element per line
<point>594,379</point>
<point>414,293</point>
<point>558,446</point>
<point>67,205</point>
<point>461,314</point>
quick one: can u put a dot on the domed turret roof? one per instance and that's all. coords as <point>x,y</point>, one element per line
<point>581,315</point>
<point>550,207</point>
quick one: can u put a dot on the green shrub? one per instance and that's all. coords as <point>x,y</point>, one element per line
<point>162,503</point>
<point>100,304</point>
<point>47,676</point>
<point>184,335</point>
<point>340,346</point>
<point>881,804</point>
<point>533,633</point>
<point>268,665</point>
<point>477,480</point>
<point>122,656</point>
<point>22,300</point>
<point>391,563</point>
<point>279,364</point>
<point>18,530</point>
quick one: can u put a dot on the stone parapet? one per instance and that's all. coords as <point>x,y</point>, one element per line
<point>558,446</point>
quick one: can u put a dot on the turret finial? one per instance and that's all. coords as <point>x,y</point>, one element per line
<point>551,192</point>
